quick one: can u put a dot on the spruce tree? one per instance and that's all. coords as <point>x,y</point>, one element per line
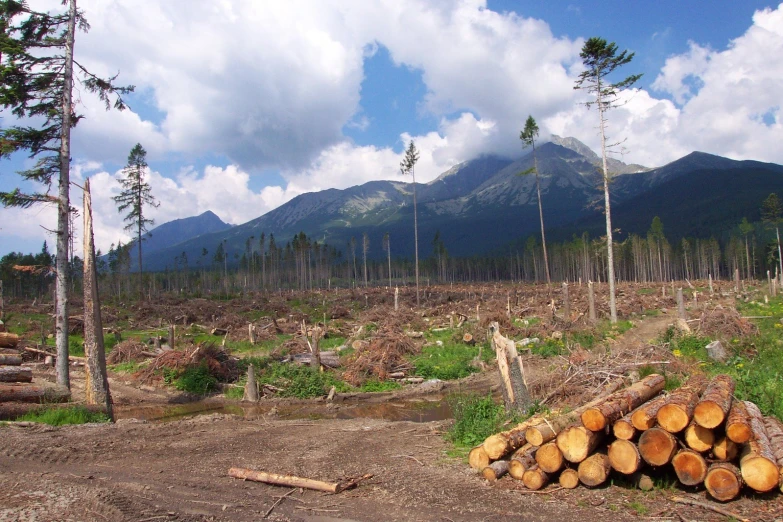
<point>135,194</point>
<point>407,167</point>
<point>600,60</point>
<point>36,82</point>
<point>528,137</point>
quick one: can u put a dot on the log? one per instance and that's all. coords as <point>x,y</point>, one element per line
<point>50,354</point>
<point>522,460</point>
<point>624,456</point>
<point>577,443</point>
<point>219,332</point>
<point>715,402</point>
<point>621,402</point>
<point>594,470</point>
<point>643,417</point>
<point>677,413</point>
<point>10,359</point>
<point>690,466</point>
<point>8,340</point>
<point>478,459</point>
<point>292,481</point>
<point>550,458</point>
<point>18,392</point>
<point>725,449</point>
<point>495,470</point>
<point>623,428</point>
<point>15,374</point>
<point>642,481</point>
<point>775,433</point>
<point>503,443</point>
<point>723,481</point>
<point>738,423</point>
<point>535,478</point>
<point>569,478</point>
<point>699,438</point>
<point>758,465</point>
<point>547,430</point>
<point>657,446</point>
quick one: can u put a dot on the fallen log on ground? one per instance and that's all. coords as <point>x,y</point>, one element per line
<point>535,478</point>
<point>594,470</point>
<point>624,456</point>
<point>758,465</point>
<point>690,466</point>
<point>10,359</point>
<point>25,392</point>
<point>738,423</point>
<point>52,354</point>
<point>677,413</point>
<point>657,446</point>
<point>15,374</point>
<point>503,443</point>
<point>8,340</point>
<point>715,402</point>
<point>294,482</point>
<point>478,458</point>
<point>621,402</point>
<point>495,470</point>
<point>723,481</point>
<point>547,430</point>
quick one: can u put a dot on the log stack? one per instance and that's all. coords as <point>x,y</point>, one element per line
<point>16,384</point>
<point>699,430</point>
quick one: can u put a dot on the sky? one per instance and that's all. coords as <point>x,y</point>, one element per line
<point>245,104</point>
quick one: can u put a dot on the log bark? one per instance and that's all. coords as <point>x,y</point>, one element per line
<point>550,458</point>
<point>677,413</point>
<point>758,465</point>
<point>723,481</point>
<point>643,417</point>
<point>478,459</point>
<point>725,449</point>
<point>292,481</point>
<point>503,443</point>
<point>622,402</point>
<point>8,340</point>
<point>690,466</point>
<point>775,433</point>
<point>624,456</point>
<point>33,393</point>
<point>738,423</point>
<point>15,374</point>
<point>699,438</point>
<point>623,428</point>
<point>522,460</point>
<point>594,470</point>
<point>657,446</point>
<point>535,478</point>
<point>547,430</point>
<point>495,470</point>
<point>715,402</point>
<point>577,443</point>
<point>10,360</point>
<point>569,478</point>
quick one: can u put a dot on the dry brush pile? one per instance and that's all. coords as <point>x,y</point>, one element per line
<point>699,429</point>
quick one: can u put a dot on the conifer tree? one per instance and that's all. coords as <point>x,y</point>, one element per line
<point>772,216</point>
<point>407,167</point>
<point>36,81</point>
<point>135,194</point>
<point>600,60</point>
<point>528,137</point>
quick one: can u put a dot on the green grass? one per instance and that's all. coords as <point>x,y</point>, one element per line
<point>301,382</point>
<point>63,416</point>
<point>125,367</point>
<point>639,508</point>
<point>448,362</point>
<point>196,380</point>
<point>330,343</point>
<point>548,348</point>
<point>476,417</point>
<point>375,385</point>
<point>236,392</point>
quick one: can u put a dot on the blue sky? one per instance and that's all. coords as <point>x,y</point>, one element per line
<point>243,105</point>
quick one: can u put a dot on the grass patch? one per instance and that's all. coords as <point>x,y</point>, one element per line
<point>448,362</point>
<point>476,417</point>
<point>301,382</point>
<point>236,392</point>
<point>196,380</point>
<point>548,348</point>
<point>375,385</point>
<point>330,343</point>
<point>64,416</point>
<point>125,367</point>
<point>639,508</point>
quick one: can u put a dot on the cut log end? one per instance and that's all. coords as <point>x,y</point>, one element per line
<point>577,443</point>
<point>709,414</point>
<point>760,473</point>
<point>550,458</point>
<point>691,468</point>
<point>657,446</point>
<point>594,470</point>
<point>569,478</point>
<point>495,470</point>
<point>496,446</point>
<point>725,449</point>
<point>673,418</point>
<point>623,429</point>
<point>535,478</point>
<point>478,458</point>
<point>699,438</point>
<point>624,456</point>
<point>723,481</point>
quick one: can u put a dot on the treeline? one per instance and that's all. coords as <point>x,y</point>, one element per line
<point>305,263</point>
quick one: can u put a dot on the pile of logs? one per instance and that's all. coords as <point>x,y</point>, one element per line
<point>699,429</point>
<point>16,381</point>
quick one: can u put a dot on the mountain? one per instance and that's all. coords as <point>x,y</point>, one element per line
<point>483,205</point>
<point>615,166</point>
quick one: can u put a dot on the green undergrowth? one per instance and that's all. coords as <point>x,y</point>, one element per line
<point>587,339</point>
<point>63,416</point>
<point>754,362</point>
<point>451,359</point>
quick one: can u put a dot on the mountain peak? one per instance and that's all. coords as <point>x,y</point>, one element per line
<point>575,145</point>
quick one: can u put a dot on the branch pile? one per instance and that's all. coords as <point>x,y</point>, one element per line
<point>699,430</point>
<point>386,353</point>
<point>218,362</point>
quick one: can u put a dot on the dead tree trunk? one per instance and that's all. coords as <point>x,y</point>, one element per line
<point>591,302</point>
<point>15,374</point>
<point>251,386</point>
<point>97,380</point>
<point>623,428</point>
<point>10,360</point>
<point>512,375</point>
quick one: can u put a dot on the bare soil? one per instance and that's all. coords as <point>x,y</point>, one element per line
<point>142,471</point>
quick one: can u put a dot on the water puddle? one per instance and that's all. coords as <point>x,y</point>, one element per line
<point>395,410</point>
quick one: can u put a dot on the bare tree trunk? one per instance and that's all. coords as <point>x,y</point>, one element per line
<point>64,207</point>
<point>607,209</point>
<point>591,301</point>
<point>541,216</point>
<point>97,385</point>
<point>416,237</point>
